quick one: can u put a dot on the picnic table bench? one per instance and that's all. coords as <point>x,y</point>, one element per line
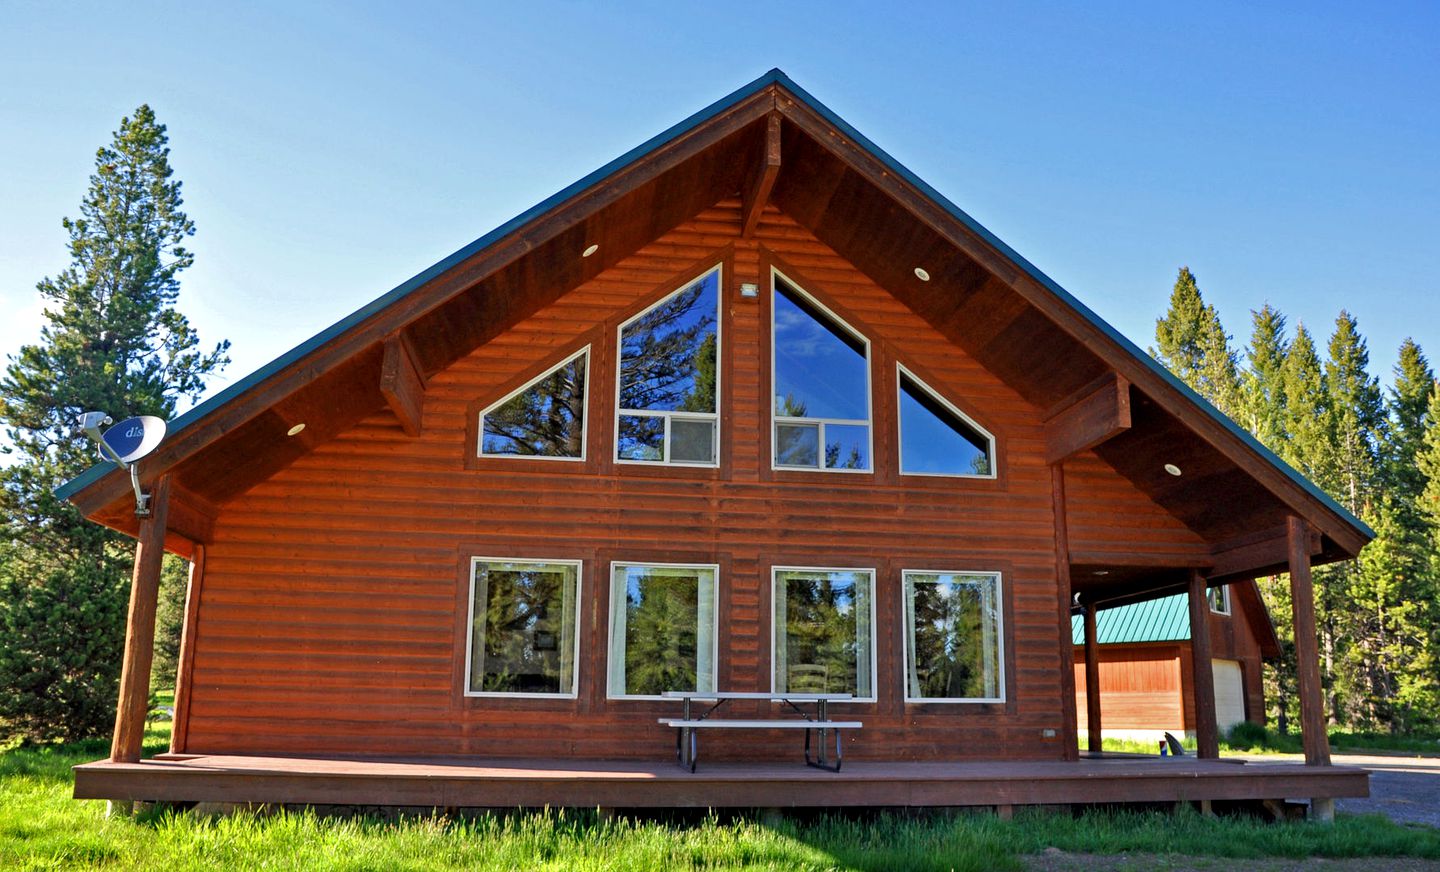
<point>687,743</point>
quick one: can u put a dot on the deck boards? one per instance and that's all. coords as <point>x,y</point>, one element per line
<point>468,782</point>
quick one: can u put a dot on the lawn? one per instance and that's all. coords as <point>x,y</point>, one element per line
<point>41,827</point>
<point>1254,739</point>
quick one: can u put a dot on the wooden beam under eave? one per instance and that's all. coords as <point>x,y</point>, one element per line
<point>762,179</point>
<point>1092,682</point>
<point>1307,647</point>
<point>402,385</point>
<point>1095,414</point>
<point>1266,552</point>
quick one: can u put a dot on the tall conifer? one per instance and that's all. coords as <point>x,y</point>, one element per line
<point>114,342</point>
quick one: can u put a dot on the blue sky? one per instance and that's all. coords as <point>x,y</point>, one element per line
<point>329,152</point>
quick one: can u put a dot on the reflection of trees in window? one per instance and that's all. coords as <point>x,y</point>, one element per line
<point>662,635</point>
<point>953,645</point>
<point>934,438</point>
<point>544,419</point>
<point>524,628</point>
<point>668,358</point>
<point>823,636</point>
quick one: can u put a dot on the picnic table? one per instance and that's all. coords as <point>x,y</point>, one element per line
<point>687,743</point>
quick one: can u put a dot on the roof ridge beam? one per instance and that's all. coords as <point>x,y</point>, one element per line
<point>761,179</point>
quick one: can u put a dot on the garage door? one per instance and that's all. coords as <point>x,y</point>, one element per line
<point>1229,694</point>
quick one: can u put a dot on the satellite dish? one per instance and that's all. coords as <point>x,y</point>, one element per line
<point>133,438</point>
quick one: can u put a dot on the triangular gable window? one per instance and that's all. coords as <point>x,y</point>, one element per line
<point>821,386</point>
<point>938,439</point>
<point>544,419</point>
<point>669,385</point>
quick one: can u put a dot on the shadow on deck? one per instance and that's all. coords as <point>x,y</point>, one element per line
<point>464,783</point>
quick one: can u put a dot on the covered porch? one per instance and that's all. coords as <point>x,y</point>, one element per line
<point>474,783</point>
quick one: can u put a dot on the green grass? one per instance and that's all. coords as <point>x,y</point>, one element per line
<point>41,827</point>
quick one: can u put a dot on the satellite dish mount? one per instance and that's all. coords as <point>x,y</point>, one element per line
<point>124,444</point>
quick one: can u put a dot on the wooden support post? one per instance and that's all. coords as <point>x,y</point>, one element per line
<point>140,628</point>
<point>1092,680</point>
<point>1069,732</point>
<point>180,726</point>
<point>1307,649</point>
<point>1207,735</point>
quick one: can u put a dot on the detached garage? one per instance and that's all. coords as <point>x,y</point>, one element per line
<point>1146,685</point>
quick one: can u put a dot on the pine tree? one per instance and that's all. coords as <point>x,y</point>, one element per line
<point>113,342</point>
<point>1194,345</point>
<point>1263,387</point>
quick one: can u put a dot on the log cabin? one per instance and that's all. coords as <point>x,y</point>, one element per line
<point>1146,677</point>
<point>751,410</point>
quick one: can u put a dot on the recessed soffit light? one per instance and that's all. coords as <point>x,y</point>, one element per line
<point>589,250</point>
<point>1172,469</point>
<point>295,431</point>
<point>921,274</point>
<point>1102,572</point>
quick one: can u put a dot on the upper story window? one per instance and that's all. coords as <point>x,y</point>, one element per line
<point>669,384</point>
<point>545,418</point>
<point>821,386</point>
<point>523,636</point>
<point>938,439</point>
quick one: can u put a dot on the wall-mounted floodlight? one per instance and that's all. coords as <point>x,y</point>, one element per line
<point>125,443</point>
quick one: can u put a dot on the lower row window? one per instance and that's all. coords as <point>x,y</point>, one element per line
<point>524,639</point>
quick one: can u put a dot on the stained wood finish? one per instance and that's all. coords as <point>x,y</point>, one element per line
<point>140,628</point>
<point>1307,652</point>
<point>1060,510</point>
<point>1092,682</point>
<point>1207,736</point>
<point>587,784</point>
<point>762,181</point>
<point>332,615</point>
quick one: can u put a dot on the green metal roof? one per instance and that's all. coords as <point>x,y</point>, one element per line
<point>1161,620</point>
<point>774,77</point>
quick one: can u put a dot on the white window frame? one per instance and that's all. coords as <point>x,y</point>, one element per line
<point>775,419</point>
<point>475,562</point>
<point>1223,591</point>
<point>714,416</point>
<point>902,373</point>
<point>584,416</point>
<point>714,630</point>
<point>874,628</point>
<point>906,607</point>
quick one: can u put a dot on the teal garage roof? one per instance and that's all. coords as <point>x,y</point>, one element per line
<point>1160,620</point>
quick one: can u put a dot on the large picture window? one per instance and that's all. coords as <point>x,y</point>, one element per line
<point>544,419</point>
<point>662,628</point>
<point>821,389</point>
<point>953,637</point>
<point>669,385</point>
<point>938,439</point>
<point>824,631</point>
<point>523,639</point>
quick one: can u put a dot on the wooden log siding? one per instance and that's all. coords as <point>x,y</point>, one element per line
<point>332,616</point>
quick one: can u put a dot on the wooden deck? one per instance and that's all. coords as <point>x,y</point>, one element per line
<point>447,783</point>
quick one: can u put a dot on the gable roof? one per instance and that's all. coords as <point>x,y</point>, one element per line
<point>1159,620</point>
<point>855,198</point>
